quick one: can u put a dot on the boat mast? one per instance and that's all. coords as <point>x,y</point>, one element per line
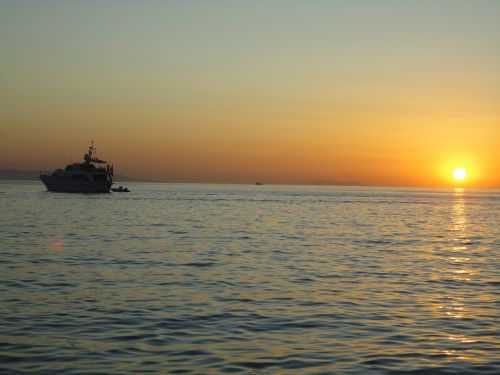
<point>88,156</point>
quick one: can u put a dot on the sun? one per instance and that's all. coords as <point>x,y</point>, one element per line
<point>459,173</point>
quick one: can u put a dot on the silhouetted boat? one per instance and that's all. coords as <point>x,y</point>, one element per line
<point>120,189</point>
<point>87,177</point>
<point>259,183</point>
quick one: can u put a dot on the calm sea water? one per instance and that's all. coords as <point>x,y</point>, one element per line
<point>208,279</point>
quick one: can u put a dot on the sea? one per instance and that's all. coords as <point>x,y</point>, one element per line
<point>214,279</point>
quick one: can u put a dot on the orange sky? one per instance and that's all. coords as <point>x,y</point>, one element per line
<point>376,93</point>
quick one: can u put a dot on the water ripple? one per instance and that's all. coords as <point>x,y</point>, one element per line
<point>189,279</point>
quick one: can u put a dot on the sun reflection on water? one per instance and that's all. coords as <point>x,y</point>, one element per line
<point>458,270</point>
<point>458,260</point>
<point>458,217</point>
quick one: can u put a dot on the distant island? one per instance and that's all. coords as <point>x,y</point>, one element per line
<point>21,175</point>
<point>17,174</point>
<point>335,183</point>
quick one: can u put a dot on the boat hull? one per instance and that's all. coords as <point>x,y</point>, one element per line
<point>68,186</point>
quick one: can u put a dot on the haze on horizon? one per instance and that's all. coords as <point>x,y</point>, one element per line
<point>375,92</point>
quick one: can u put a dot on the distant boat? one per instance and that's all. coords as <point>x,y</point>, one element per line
<point>87,177</point>
<point>259,183</point>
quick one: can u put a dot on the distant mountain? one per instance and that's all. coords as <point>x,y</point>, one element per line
<point>16,174</point>
<point>335,183</point>
<point>121,178</point>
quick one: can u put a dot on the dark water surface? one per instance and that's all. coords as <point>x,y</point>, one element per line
<point>211,279</point>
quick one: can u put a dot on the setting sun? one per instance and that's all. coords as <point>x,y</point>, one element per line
<point>459,173</point>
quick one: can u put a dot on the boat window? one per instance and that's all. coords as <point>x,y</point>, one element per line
<point>80,177</point>
<point>99,177</point>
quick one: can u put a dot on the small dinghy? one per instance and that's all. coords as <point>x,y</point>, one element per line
<point>120,189</point>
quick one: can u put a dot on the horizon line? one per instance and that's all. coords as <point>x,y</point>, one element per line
<point>130,179</point>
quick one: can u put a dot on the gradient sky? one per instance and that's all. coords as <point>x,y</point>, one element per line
<point>374,92</point>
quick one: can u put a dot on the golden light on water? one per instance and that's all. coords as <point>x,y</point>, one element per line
<point>459,173</point>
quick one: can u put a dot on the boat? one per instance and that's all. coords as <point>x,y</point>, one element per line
<point>91,176</point>
<point>120,189</point>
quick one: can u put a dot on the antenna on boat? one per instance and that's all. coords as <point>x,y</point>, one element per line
<point>88,156</point>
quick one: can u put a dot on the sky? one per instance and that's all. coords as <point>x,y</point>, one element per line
<point>392,93</point>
